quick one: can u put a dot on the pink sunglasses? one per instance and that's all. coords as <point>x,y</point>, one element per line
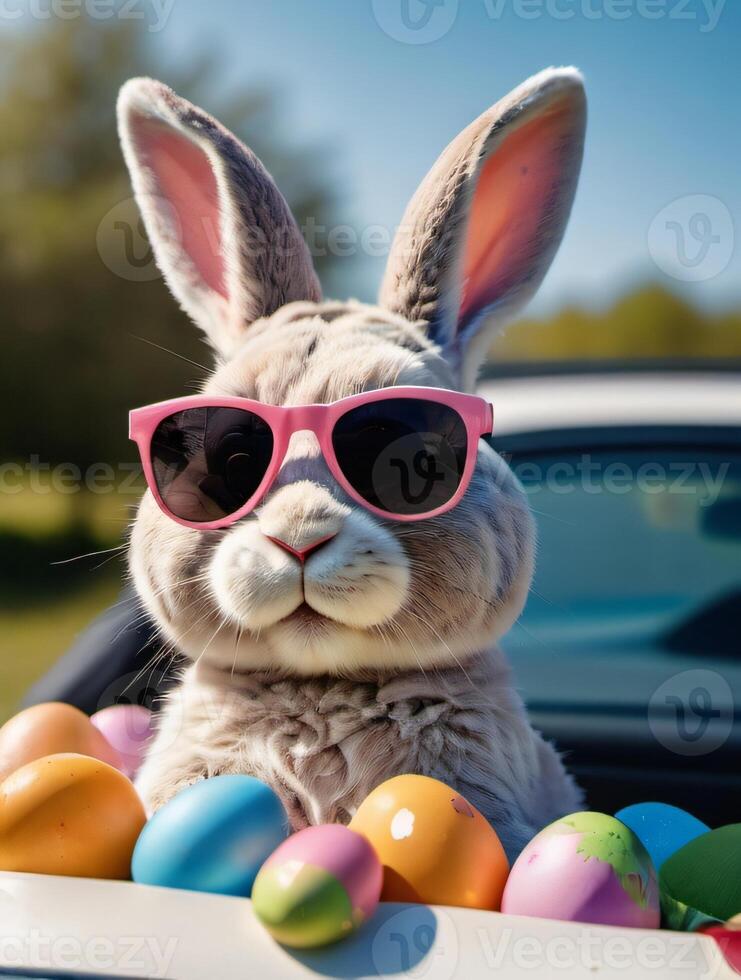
<point>403,453</point>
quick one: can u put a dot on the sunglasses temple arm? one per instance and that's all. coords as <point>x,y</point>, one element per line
<point>489,419</point>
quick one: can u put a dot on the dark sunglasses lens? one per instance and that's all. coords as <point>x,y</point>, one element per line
<point>402,455</point>
<point>208,462</point>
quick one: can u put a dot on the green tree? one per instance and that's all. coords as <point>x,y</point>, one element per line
<point>649,322</point>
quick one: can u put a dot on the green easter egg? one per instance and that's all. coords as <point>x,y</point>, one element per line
<point>304,909</point>
<point>703,879</point>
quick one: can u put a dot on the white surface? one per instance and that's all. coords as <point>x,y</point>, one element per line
<point>126,930</point>
<point>572,401</point>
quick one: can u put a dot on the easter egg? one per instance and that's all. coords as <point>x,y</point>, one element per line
<point>662,829</point>
<point>69,815</point>
<point>434,846</point>
<point>587,867</point>
<point>211,837</point>
<point>48,729</point>
<point>318,886</point>
<point>703,879</point>
<point>128,728</point>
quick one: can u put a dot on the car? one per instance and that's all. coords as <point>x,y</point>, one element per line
<point>628,653</point>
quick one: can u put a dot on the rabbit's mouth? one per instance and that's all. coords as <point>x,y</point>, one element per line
<point>307,621</point>
<point>305,615</point>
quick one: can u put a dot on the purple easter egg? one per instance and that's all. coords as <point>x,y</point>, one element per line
<point>128,728</point>
<point>587,867</point>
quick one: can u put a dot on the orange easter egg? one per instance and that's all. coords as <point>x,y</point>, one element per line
<point>435,847</point>
<point>47,729</point>
<point>69,815</point>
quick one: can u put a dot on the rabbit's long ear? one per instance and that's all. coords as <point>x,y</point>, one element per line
<point>484,225</point>
<point>222,234</point>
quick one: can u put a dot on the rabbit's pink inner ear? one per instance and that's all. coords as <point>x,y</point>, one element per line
<point>517,188</point>
<point>185,179</point>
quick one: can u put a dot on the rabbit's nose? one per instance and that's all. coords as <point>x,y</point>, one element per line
<point>301,518</point>
<point>308,548</point>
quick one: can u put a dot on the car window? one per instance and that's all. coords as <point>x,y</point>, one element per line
<point>638,570</point>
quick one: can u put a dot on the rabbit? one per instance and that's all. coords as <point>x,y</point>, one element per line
<point>393,667</point>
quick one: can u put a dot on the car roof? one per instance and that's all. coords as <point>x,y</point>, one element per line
<point>569,401</point>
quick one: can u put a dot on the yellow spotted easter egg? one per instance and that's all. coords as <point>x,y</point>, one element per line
<point>435,847</point>
<point>69,814</point>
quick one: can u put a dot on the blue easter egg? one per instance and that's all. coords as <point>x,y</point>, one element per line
<point>661,828</point>
<point>212,837</point>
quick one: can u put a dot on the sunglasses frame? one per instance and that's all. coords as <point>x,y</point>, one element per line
<point>284,420</point>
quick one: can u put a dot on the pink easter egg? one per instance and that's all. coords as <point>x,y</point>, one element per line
<point>587,867</point>
<point>128,728</point>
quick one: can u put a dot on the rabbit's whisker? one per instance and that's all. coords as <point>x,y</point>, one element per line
<point>89,554</point>
<point>167,350</point>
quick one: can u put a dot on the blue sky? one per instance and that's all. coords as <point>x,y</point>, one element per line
<point>665,123</point>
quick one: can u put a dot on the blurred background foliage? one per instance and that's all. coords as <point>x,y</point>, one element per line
<point>648,323</point>
<point>70,323</point>
<point>77,337</point>
<point>85,337</point>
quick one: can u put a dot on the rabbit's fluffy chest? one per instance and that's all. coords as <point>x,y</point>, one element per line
<point>325,743</point>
